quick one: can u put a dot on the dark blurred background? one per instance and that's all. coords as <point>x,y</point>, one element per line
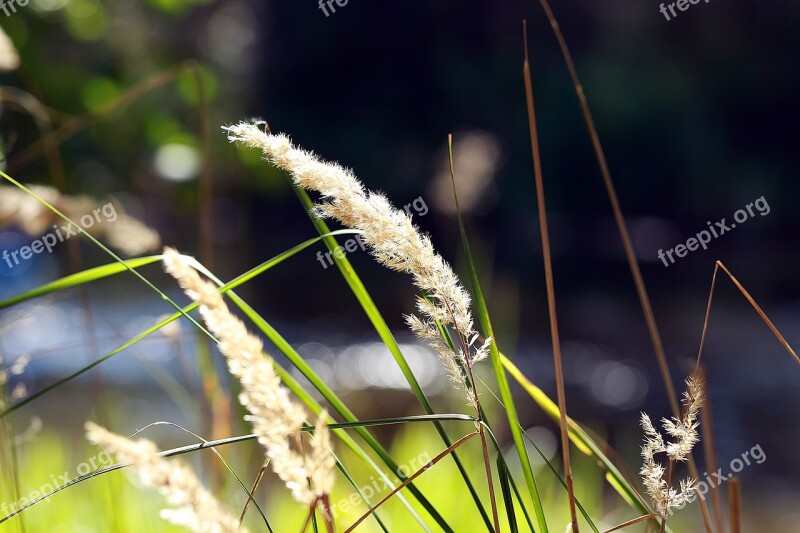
<point>698,117</point>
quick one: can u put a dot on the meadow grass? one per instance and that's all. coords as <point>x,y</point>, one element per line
<point>338,469</point>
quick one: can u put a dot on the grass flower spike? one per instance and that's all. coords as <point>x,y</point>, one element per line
<point>276,418</point>
<point>656,477</point>
<point>192,506</point>
<point>393,240</point>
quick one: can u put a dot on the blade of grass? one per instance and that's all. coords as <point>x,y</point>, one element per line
<point>80,278</point>
<point>581,439</point>
<point>505,489</point>
<point>502,380</point>
<point>234,440</point>
<point>368,305</point>
<point>107,270</point>
<point>544,458</point>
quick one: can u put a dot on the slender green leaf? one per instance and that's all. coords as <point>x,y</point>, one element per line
<point>499,372</point>
<point>375,317</point>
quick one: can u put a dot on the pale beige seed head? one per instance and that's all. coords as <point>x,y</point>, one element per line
<point>684,433</point>
<point>191,505</point>
<point>276,418</point>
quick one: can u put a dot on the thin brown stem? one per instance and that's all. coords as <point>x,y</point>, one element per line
<point>488,466</point>
<point>309,516</point>
<point>735,504</point>
<point>327,515</point>
<point>641,289</point>
<point>548,272</point>
<point>631,522</point>
<point>77,124</point>
<point>206,189</point>
<point>710,449</point>
<point>416,474</point>
<point>758,309</point>
<point>256,483</point>
<point>644,299</point>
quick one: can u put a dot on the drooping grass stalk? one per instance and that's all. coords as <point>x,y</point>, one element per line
<point>718,265</point>
<point>550,284</point>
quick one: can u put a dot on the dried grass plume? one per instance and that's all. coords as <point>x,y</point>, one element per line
<point>191,505</point>
<point>277,419</point>
<point>655,476</point>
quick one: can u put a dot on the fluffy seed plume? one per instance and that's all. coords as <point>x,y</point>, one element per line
<point>392,239</point>
<point>191,505</point>
<point>277,419</point>
<point>655,476</point>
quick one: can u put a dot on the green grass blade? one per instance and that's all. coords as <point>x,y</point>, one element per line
<point>581,439</point>
<point>375,317</point>
<point>499,372</point>
<point>232,440</point>
<point>108,270</point>
<point>80,278</point>
<point>111,269</point>
<point>331,397</point>
<point>508,498</point>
